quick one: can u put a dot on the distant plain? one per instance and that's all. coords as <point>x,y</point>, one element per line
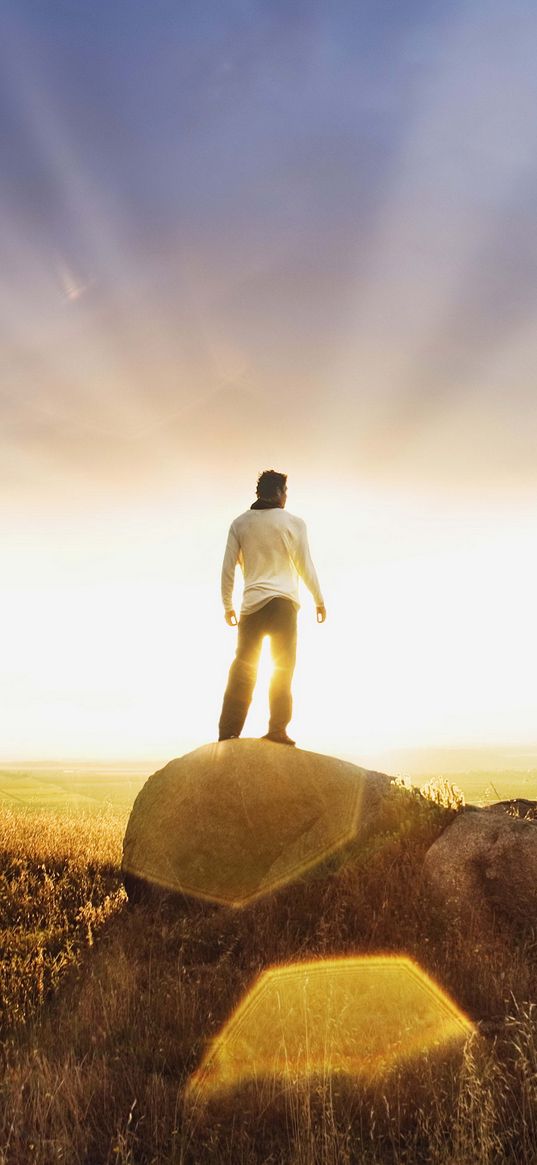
<point>483,775</point>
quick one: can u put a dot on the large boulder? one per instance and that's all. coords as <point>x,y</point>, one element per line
<point>233,821</point>
<point>485,864</point>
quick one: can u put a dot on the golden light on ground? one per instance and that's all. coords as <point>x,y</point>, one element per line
<point>234,821</point>
<point>357,1017</point>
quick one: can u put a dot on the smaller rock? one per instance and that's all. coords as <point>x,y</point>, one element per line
<point>485,864</point>
<point>517,807</point>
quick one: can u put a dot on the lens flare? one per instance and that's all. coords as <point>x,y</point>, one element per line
<point>354,1017</point>
<point>72,287</point>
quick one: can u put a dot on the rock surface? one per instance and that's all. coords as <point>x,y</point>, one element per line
<point>485,864</point>
<point>233,821</point>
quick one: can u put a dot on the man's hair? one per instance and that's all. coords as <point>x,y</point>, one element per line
<point>268,482</point>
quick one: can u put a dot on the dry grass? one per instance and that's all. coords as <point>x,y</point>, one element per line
<point>94,1072</point>
<point>58,885</point>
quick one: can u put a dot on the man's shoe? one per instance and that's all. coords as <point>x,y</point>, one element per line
<point>279,737</point>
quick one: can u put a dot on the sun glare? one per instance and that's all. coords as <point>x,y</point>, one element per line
<point>116,644</point>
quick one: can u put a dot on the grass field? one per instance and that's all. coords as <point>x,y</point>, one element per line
<point>108,1009</point>
<point>74,786</point>
<point>88,787</point>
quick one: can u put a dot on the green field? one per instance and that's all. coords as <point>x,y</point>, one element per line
<point>90,787</point>
<point>484,788</point>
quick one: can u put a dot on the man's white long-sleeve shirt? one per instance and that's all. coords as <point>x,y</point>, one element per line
<point>271,547</point>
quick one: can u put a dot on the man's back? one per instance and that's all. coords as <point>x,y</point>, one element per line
<point>271,547</point>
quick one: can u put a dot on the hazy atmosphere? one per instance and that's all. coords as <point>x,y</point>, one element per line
<point>243,235</point>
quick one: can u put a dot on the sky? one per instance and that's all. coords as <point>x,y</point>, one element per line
<point>240,235</point>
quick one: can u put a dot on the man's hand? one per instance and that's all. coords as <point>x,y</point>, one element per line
<point>231,618</point>
<point>321,613</point>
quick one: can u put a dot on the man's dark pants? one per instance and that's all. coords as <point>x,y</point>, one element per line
<point>277,618</point>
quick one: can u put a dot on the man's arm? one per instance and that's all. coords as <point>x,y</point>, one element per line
<point>231,557</point>
<point>307,572</point>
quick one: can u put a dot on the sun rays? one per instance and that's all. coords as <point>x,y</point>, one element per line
<point>349,294</point>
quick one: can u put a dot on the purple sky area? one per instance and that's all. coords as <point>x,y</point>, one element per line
<point>314,222</point>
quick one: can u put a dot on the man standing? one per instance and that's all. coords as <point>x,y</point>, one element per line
<point>272,550</point>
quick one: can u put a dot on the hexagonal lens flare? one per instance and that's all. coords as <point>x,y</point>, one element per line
<point>356,1017</point>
